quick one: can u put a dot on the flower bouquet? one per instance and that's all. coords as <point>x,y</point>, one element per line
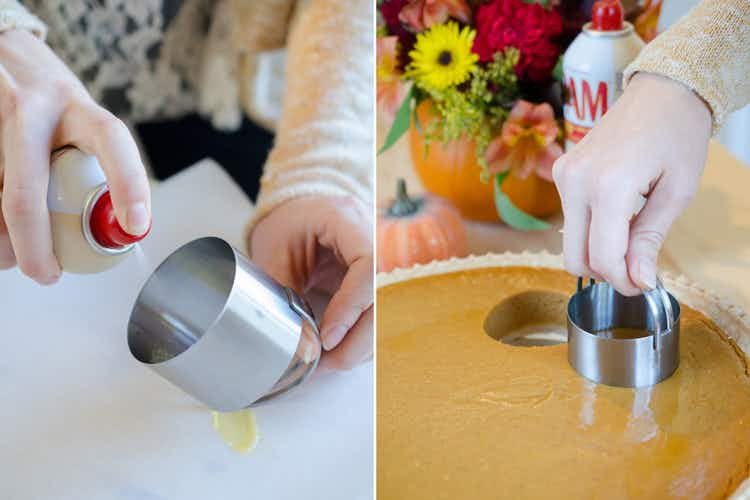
<point>478,84</point>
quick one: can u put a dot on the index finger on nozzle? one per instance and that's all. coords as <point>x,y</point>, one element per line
<point>110,141</point>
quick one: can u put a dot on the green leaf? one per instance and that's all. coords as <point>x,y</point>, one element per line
<point>511,214</point>
<point>557,71</point>
<point>400,123</point>
<point>417,123</point>
<point>544,3</point>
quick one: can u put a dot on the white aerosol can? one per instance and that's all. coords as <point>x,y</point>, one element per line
<point>86,235</point>
<point>593,66</point>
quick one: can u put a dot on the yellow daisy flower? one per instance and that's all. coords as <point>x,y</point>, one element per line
<point>442,56</point>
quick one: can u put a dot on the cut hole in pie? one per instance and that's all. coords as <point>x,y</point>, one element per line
<point>530,319</point>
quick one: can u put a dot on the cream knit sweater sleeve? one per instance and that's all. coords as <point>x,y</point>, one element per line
<point>708,50</point>
<point>13,15</point>
<point>324,141</point>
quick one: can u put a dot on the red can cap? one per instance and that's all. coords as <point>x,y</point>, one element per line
<point>104,226</point>
<point>607,15</point>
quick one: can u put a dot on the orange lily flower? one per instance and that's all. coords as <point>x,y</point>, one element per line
<point>527,142</point>
<point>421,14</point>
<point>391,89</point>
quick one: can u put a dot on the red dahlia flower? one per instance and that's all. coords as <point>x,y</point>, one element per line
<point>527,26</point>
<point>390,9</point>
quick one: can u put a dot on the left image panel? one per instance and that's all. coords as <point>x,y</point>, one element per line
<point>186,249</point>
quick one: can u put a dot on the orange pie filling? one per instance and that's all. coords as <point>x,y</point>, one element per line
<point>476,400</point>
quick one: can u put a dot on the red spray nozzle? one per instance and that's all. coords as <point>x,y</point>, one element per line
<point>607,15</point>
<point>104,226</point>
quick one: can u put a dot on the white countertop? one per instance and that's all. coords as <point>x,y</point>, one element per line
<point>81,419</point>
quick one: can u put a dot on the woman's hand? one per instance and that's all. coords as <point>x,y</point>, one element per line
<point>325,243</point>
<point>43,106</point>
<point>651,144</point>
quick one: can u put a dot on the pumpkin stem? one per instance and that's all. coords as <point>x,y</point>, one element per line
<point>403,205</point>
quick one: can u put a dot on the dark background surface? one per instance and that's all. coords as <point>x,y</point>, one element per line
<point>173,145</point>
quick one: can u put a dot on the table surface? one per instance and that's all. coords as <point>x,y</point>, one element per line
<point>709,243</point>
<point>80,418</point>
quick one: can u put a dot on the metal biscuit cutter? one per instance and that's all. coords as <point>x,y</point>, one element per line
<point>630,362</point>
<point>222,330</point>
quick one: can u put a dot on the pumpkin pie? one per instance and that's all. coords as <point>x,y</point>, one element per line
<point>469,408</point>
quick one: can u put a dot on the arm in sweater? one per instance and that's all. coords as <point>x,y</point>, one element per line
<point>708,51</point>
<point>324,143</point>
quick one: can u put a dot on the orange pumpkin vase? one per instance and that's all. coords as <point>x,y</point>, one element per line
<point>451,170</point>
<point>417,231</point>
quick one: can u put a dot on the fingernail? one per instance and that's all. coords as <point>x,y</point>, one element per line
<point>647,273</point>
<point>138,219</point>
<point>51,279</point>
<point>333,336</point>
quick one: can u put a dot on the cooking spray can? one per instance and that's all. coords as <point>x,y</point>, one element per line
<point>593,66</point>
<point>86,235</point>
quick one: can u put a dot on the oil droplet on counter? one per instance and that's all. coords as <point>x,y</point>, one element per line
<point>237,429</point>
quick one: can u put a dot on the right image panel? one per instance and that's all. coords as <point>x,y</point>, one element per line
<point>563,249</point>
